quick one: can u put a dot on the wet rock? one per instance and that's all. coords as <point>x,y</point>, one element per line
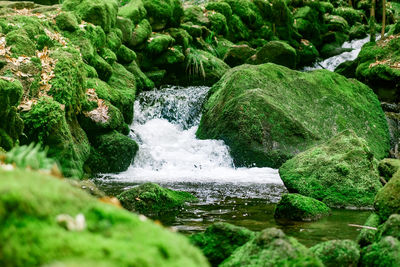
<point>296,207</point>
<point>337,253</point>
<point>220,240</point>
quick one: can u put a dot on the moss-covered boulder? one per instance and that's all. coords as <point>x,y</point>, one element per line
<point>238,55</point>
<point>367,236</point>
<point>159,43</point>
<point>268,113</point>
<point>220,240</point>
<point>388,167</point>
<point>98,12</point>
<point>351,15</point>
<point>387,201</point>
<point>143,83</point>
<point>46,123</point>
<point>163,12</point>
<point>133,10</point>
<point>67,21</point>
<point>384,253</point>
<point>341,172</point>
<point>140,33</point>
<point>378,67</point>
<point>337,253</point>
<point>112,152</point>
<point>221,7</point>
<point>152,199</point>
<point>20,43</point>
<point>300,208</point>
<point>272,248</point>
<point>11,125</point>
<point>275,52</point>
<point>390,228</point>
<point>66,224</point>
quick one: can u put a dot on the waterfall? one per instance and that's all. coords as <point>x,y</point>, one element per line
<point>165,124</point>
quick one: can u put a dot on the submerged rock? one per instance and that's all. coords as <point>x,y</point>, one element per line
<point>300,208</point>
<point>272,248</point>
<point>341,172</point>
<point>31,203</point>
<point>337,253</point>
<point>387,201</point>
<point>268,113</point>
<point>220,240</point>
<point>152,199</point>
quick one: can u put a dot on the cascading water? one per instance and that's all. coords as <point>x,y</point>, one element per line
<point>333,62</point>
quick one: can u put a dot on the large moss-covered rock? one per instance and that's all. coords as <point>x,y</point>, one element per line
<point>272,248</point>
<point>111,152</point>
<point>388,167</point>
<point>152,199</point>
<point>238,54</point>
<point>140,33</point>
<point>387,201</point>
<point>267,113</point>
<point>46,221</point>
<point>276,52</point>
<point>378,67</point>
<point>163,12</point>
<point>11,125</point>
<point>337,253</point>
<point>46,123</point>
<point>341,172</point>
<point>300,208</point>
<point>67,21</point>
<point>384,253</point>
<point>133,10</point>
<point>20,43</point>
<point>390,228</point>
<point>220,240</point>
<point>98,12</point>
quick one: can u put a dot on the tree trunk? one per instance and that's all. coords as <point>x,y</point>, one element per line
<point>372,22</point>
<point>383,18</point>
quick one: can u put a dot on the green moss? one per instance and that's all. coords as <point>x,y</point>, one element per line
<point>217,23</point>
<point>247,11</point>
<point>125,55</point>
<point>358,31</point>
<point>111,153</point>
<point>11,125</point>
<point>152,199</point>
<point>20,43</point>
<point>102,67</point>
<point>114,39</point>
<point>203,68</point>
<point>220,240</point>
<point>98,12</point>
<point>46,123</point>
<point>141,33</point>
<point>238,54</point>
<point>381,254</point>
<point>341,172</point>
<point>67,21</point>
<point>307,54</point>
<point>163,12</point>
<point>272,248</point>
<point>336,23</point>
<point>388,167</point>
<point>44,41</point>
<point>157,77</point>
<point>337,253</point>
<point>68,85</point>
<point>126,27</point>
<point>351,15</point>
<point>133,10</point>
<point>195,15</point>
<point>300,208</point>
<point>108,55</point>
<point>390,228</point>
<point>142,82</point>
<point>263,113</point>
<point>238,31</point>
<point>181,36</point>
<point>159,43</point>
<point>386,201</point>
<point>367,236</point>
<point>30,203</point>
<point>221,7</point>
<point>276,52</point>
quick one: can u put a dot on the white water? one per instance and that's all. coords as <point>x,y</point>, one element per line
<point>165,125</point>
<point>333,62</point>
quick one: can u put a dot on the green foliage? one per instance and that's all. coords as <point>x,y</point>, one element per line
<point>220,240</point>
<point>264,114</point>
<point>30,203</point>
<point>341,172</point>
<point>300,208</point>
<point>152,199</point>
<point>337,253</point>
<point>271,247</point>
<point>31,156</point>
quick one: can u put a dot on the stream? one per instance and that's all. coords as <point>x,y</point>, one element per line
<point>169,154</point>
